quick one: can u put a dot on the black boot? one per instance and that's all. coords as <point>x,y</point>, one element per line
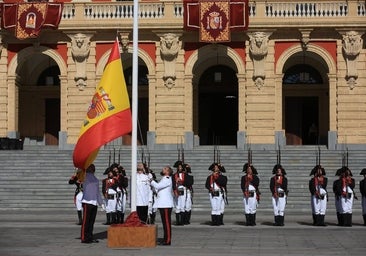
<point>221,219</point>
<point>114,218</point>
<point>213,220</point>
<point>118,217</point>
<point>347,220</point>
<point>364,219</point>
<point>122,218</point>
<point>80,217</point>
<point>184,218</point>
<point>254,217</point>
<point>189,217</point>
<point>152,218</point>
<point>282,220</point>
<point>247,220</point>
<point>276,221</point>
<point>177,219</point>
<point>321,220</point>
<point>314,219</point>
<point>108,215</point>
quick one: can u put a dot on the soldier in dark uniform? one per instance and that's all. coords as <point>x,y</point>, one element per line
<point>122,182</point>
<point>278,187</point>
<point>343,190</point>
<point>109,191</point>
<point>77,180</point>
<point>216,186</point>
<point>318,190</point>
<point>189,197</point>
<point>249,186</point>
<point>181,188</point>
<point>363,194</point>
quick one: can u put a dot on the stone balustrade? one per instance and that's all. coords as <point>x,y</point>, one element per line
<point>169,14</point>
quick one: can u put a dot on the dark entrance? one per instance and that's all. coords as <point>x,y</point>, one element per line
<point>301,120</point>
<point>218,106</point>
<point>52,126</point>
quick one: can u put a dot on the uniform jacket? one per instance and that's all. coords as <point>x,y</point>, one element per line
<point>363,187</point>
<point>79,186</point>
<point>91,189</point>
<point>187,181</point>
<point>144,191</point>
<point>272,184</point>
<point>122,181</point>
<point>164,189</point>
<point>107,184</point>
<point>337,186</point>
<point>221,181</point>
<point>312,187</point>
<point>254,182</point>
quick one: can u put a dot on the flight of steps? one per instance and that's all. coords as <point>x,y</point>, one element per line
<point>37,178</point>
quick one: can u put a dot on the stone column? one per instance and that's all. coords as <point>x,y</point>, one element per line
<point>3,88</point>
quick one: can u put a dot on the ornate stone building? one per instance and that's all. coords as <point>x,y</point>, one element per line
<point>297,76</point>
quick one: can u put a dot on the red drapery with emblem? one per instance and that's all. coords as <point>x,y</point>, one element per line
<point>216,19</point>
<point>27,20</point>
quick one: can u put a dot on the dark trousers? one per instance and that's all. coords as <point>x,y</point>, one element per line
<point>142,212</point>
<point>89,215</point>
<point>166,219</point>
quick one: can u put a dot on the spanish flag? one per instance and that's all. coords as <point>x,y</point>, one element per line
<point>108,116</point>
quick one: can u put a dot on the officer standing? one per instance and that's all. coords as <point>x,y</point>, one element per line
<point>143,192</point>
<point>165,202</point>
<point>363,194</point>
<point>343,190</point>
<point>109,190</point>
<point>318,190</point>
<point>91,200</point>
<point>250,188</point>
<point>216,186</point>
<point>278,187</point>
<point>77,179</point>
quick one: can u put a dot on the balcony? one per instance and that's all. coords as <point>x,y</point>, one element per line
<point>168,14</point>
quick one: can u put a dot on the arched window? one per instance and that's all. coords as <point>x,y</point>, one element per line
<point>49,76</point>
<point>302,74</point>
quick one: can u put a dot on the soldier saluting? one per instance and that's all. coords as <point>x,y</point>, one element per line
<point>250,188</point>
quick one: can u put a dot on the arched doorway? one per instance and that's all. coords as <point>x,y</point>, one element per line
<point>39,99</point>
<point>218,106</point>
<point>305,100</point>
<point>143,92</point>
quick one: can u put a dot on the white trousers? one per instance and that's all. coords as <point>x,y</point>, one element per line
<point>279,205</point>
<point>180,202</point>
<point>121,203</point>
<point>110,205</point>
<point>250,204</point>
<point>188,204</point>
<point>216,204</point>
<point>78,204</point>
<point>319,206</point>
<point>346,204</point>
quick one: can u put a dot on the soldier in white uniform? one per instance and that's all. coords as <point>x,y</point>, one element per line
<point>343,190</point>
<point>189,197</point>
<point>143,192</point>
<point>216,186</point>
<point>165,202</point>
<point>109,190</point>
<point>278,186</point>
<point>318,190</point>
<point>121,193</point>
<point>77,179</point>
<point>250,188</point>
<point>337,198</point>
<point>182,184</point>
<point>363,194</point>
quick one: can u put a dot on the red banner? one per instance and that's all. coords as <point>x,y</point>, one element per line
<point>238,16</point>
<point>28,19</point>
<point>214,21</point>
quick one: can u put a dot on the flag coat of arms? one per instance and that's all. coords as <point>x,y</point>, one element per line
<point>108,116</point>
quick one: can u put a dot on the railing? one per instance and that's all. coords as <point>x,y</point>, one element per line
<point>170,13</point>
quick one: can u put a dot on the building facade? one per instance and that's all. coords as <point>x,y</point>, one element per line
<point>297,76</point>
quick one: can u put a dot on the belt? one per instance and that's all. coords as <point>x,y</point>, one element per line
<point>111,196</point>
<point>281,194</point>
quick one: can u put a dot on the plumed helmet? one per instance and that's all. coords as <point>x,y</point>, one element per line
<point>363,171</point>
<point>315,169</point>
<point>177,163</point>
<point>187,168</point>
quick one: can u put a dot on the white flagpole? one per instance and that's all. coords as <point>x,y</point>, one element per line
<point>135,66</point>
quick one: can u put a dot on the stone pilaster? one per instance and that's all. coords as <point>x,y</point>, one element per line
<point>3,88</point>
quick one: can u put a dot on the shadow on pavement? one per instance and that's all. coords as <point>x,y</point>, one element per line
<point>100,235</point>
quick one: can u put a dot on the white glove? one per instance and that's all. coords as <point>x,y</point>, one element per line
<point>103,207</point>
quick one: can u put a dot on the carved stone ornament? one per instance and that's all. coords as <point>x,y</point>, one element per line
<point>80,49</point>
<point>258,50</point>
<point>169,49</point>
<point>125,41</point>
<point>352,46</point>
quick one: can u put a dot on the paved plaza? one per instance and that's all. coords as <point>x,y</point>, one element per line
<point>28,234</point>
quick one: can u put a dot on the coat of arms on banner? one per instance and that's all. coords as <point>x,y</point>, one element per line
<point>214,21</point>
<point>30,20</point>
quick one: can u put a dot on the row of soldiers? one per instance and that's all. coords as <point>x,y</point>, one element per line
<point>114,190</point>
